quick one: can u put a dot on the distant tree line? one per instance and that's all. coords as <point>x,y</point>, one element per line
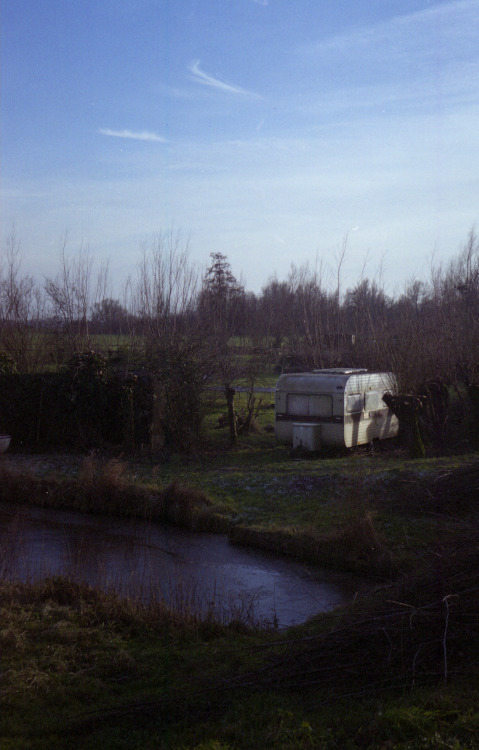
<point>197,329</point>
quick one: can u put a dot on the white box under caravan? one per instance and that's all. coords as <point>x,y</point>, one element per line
<point>342,407</point>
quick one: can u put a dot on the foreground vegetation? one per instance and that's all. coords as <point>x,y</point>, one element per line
<point>394,669</point>
<point>83,670</point>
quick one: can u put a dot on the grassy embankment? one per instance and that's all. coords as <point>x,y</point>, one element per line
<point>397,668</point>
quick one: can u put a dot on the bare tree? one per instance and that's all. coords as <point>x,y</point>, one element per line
<point>322,335</point>
<point>21,309</point>
<point>317,310</point>
<point>167,285</point>
<point>109,316</point>
<point>220,300</point>
<point>164,303</point>
<point>276,307</point>
<point>460,294</point>
<point>69,294</point>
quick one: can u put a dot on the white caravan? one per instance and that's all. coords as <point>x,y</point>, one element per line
<point>334,408</point>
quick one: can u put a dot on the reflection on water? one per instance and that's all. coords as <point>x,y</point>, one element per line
<point>196,572</point>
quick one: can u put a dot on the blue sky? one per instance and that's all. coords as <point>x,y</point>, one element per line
<point>268,130</point>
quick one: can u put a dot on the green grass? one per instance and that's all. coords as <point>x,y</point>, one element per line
<point>83,670</point>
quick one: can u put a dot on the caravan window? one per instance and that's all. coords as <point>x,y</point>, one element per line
<point>354,402</point>
<point>310,405</point>
<point>372,401</point>
<point>298,403</point>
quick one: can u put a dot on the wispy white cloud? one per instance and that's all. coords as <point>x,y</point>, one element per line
<point>199,76</point>
<point>261,2</point>
<point>454,24</point>
<point>421,62</point>
<point>142,135</point>
<point>173,92</point>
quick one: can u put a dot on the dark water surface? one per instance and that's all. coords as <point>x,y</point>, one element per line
<point>197,572</point>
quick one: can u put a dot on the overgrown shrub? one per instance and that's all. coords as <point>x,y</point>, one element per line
<point>178,391</point>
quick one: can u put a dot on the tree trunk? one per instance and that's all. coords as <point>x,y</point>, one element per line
<point>407,409</point>
<point>230,401</point>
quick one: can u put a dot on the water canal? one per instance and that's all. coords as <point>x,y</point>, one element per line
<point>196,572</point>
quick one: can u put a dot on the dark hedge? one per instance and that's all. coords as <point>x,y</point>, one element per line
<point>58,411</point>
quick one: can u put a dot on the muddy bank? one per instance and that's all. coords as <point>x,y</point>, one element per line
<point>89,486</point>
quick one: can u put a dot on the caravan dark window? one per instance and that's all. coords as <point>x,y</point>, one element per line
<point>298,403</point>
<point>321,405</point>
<point>354,403</point>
